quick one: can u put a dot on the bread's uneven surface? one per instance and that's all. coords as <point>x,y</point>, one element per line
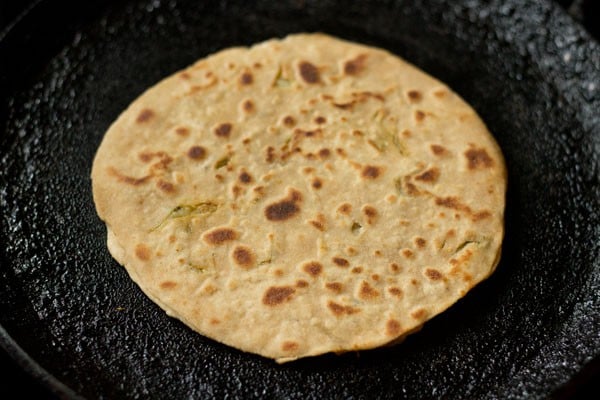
<point>302,196</point>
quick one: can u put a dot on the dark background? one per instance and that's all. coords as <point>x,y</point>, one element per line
<point>14,382</point>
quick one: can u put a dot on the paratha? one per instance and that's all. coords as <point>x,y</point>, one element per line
<point>302,196</point>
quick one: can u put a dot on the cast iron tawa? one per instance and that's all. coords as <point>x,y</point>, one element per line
<point>69,68</point>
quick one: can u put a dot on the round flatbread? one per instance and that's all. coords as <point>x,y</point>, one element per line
<point>302,196</point>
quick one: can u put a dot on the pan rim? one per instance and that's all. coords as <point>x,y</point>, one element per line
<point>31,367</point>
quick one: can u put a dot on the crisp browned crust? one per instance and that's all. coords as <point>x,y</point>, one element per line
<point>302,196</point>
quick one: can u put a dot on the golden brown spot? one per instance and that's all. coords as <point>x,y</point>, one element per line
<point>219,177</point>
<point>419,115</point>
<point>301,283</point>
<point>245,177</point>
<point>209,289</point>
<point>449,202</point>
<point>464,258</point>
<point>481,215</point>
<point>196,153</point>
<point>356,65</point>
<point>167,285</point>
<point>284,209</point>
<point>128,179</point>
<point>433,274</point>
<point>371,214</point>
<point>440,93</point>
<point>356,270</point>
<point>248,105</point>
<point>281,211</point>
<point>419,314</point>
<point>162,163</point>
<point>340,262</point>
<point>367,292</point>
<point>270,154</point>
<point>318,224</point>
<point>295,195</point>
<point>223,130</point>
<point>145,115</point>
<point>406,133</point>
<point>244,256</point>
<point>414,96</point>
<point>320,120</point>
<point>395,267</point>
<point>236,190</point>
<point>467,277</point>
<point>345,208</point>
<point>146,157</point>
<point>324,153</point>
<point>185,76</point>
<point>289,121</point>
<point>407,253</point>
<point>371,172</point>
<point>313,268</point>
<point>218,236</point>
<point>278,272</point>
<point>246,141</point>
<point>182,131</point>
<point>172,239</point>
<point>142,252</point>
<point>341,151</point>
<point>166,187</point>
<point>375,277</point>
<point>335,287</point>
<point>246,78</point>
<point>214,321</point>
<point>393,328</point>
<point>351,251</point>
<point>454,203</point>
<point>276,295</point>
<point>429,176</point>
<point>414,282</point>
<point>420,242</point>
<point>290,346</point>
<point>345,106</point>
<point>395,291</point>
<point>438,150</point>
<point>317,183</point>
<point>478,158</point>
<point>308,72</point>
<point>339,310</point>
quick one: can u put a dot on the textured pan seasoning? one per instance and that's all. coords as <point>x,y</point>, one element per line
<point>303,196</point>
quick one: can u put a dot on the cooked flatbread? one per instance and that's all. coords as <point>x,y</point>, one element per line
<point>302,196</point>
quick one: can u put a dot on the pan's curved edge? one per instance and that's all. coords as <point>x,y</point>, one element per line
<point>6,31</point>
<point>29,365</point>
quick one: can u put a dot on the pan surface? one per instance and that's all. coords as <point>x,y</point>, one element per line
<point>68,69</point>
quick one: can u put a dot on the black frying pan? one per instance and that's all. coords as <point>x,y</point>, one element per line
<point>68,69</point>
